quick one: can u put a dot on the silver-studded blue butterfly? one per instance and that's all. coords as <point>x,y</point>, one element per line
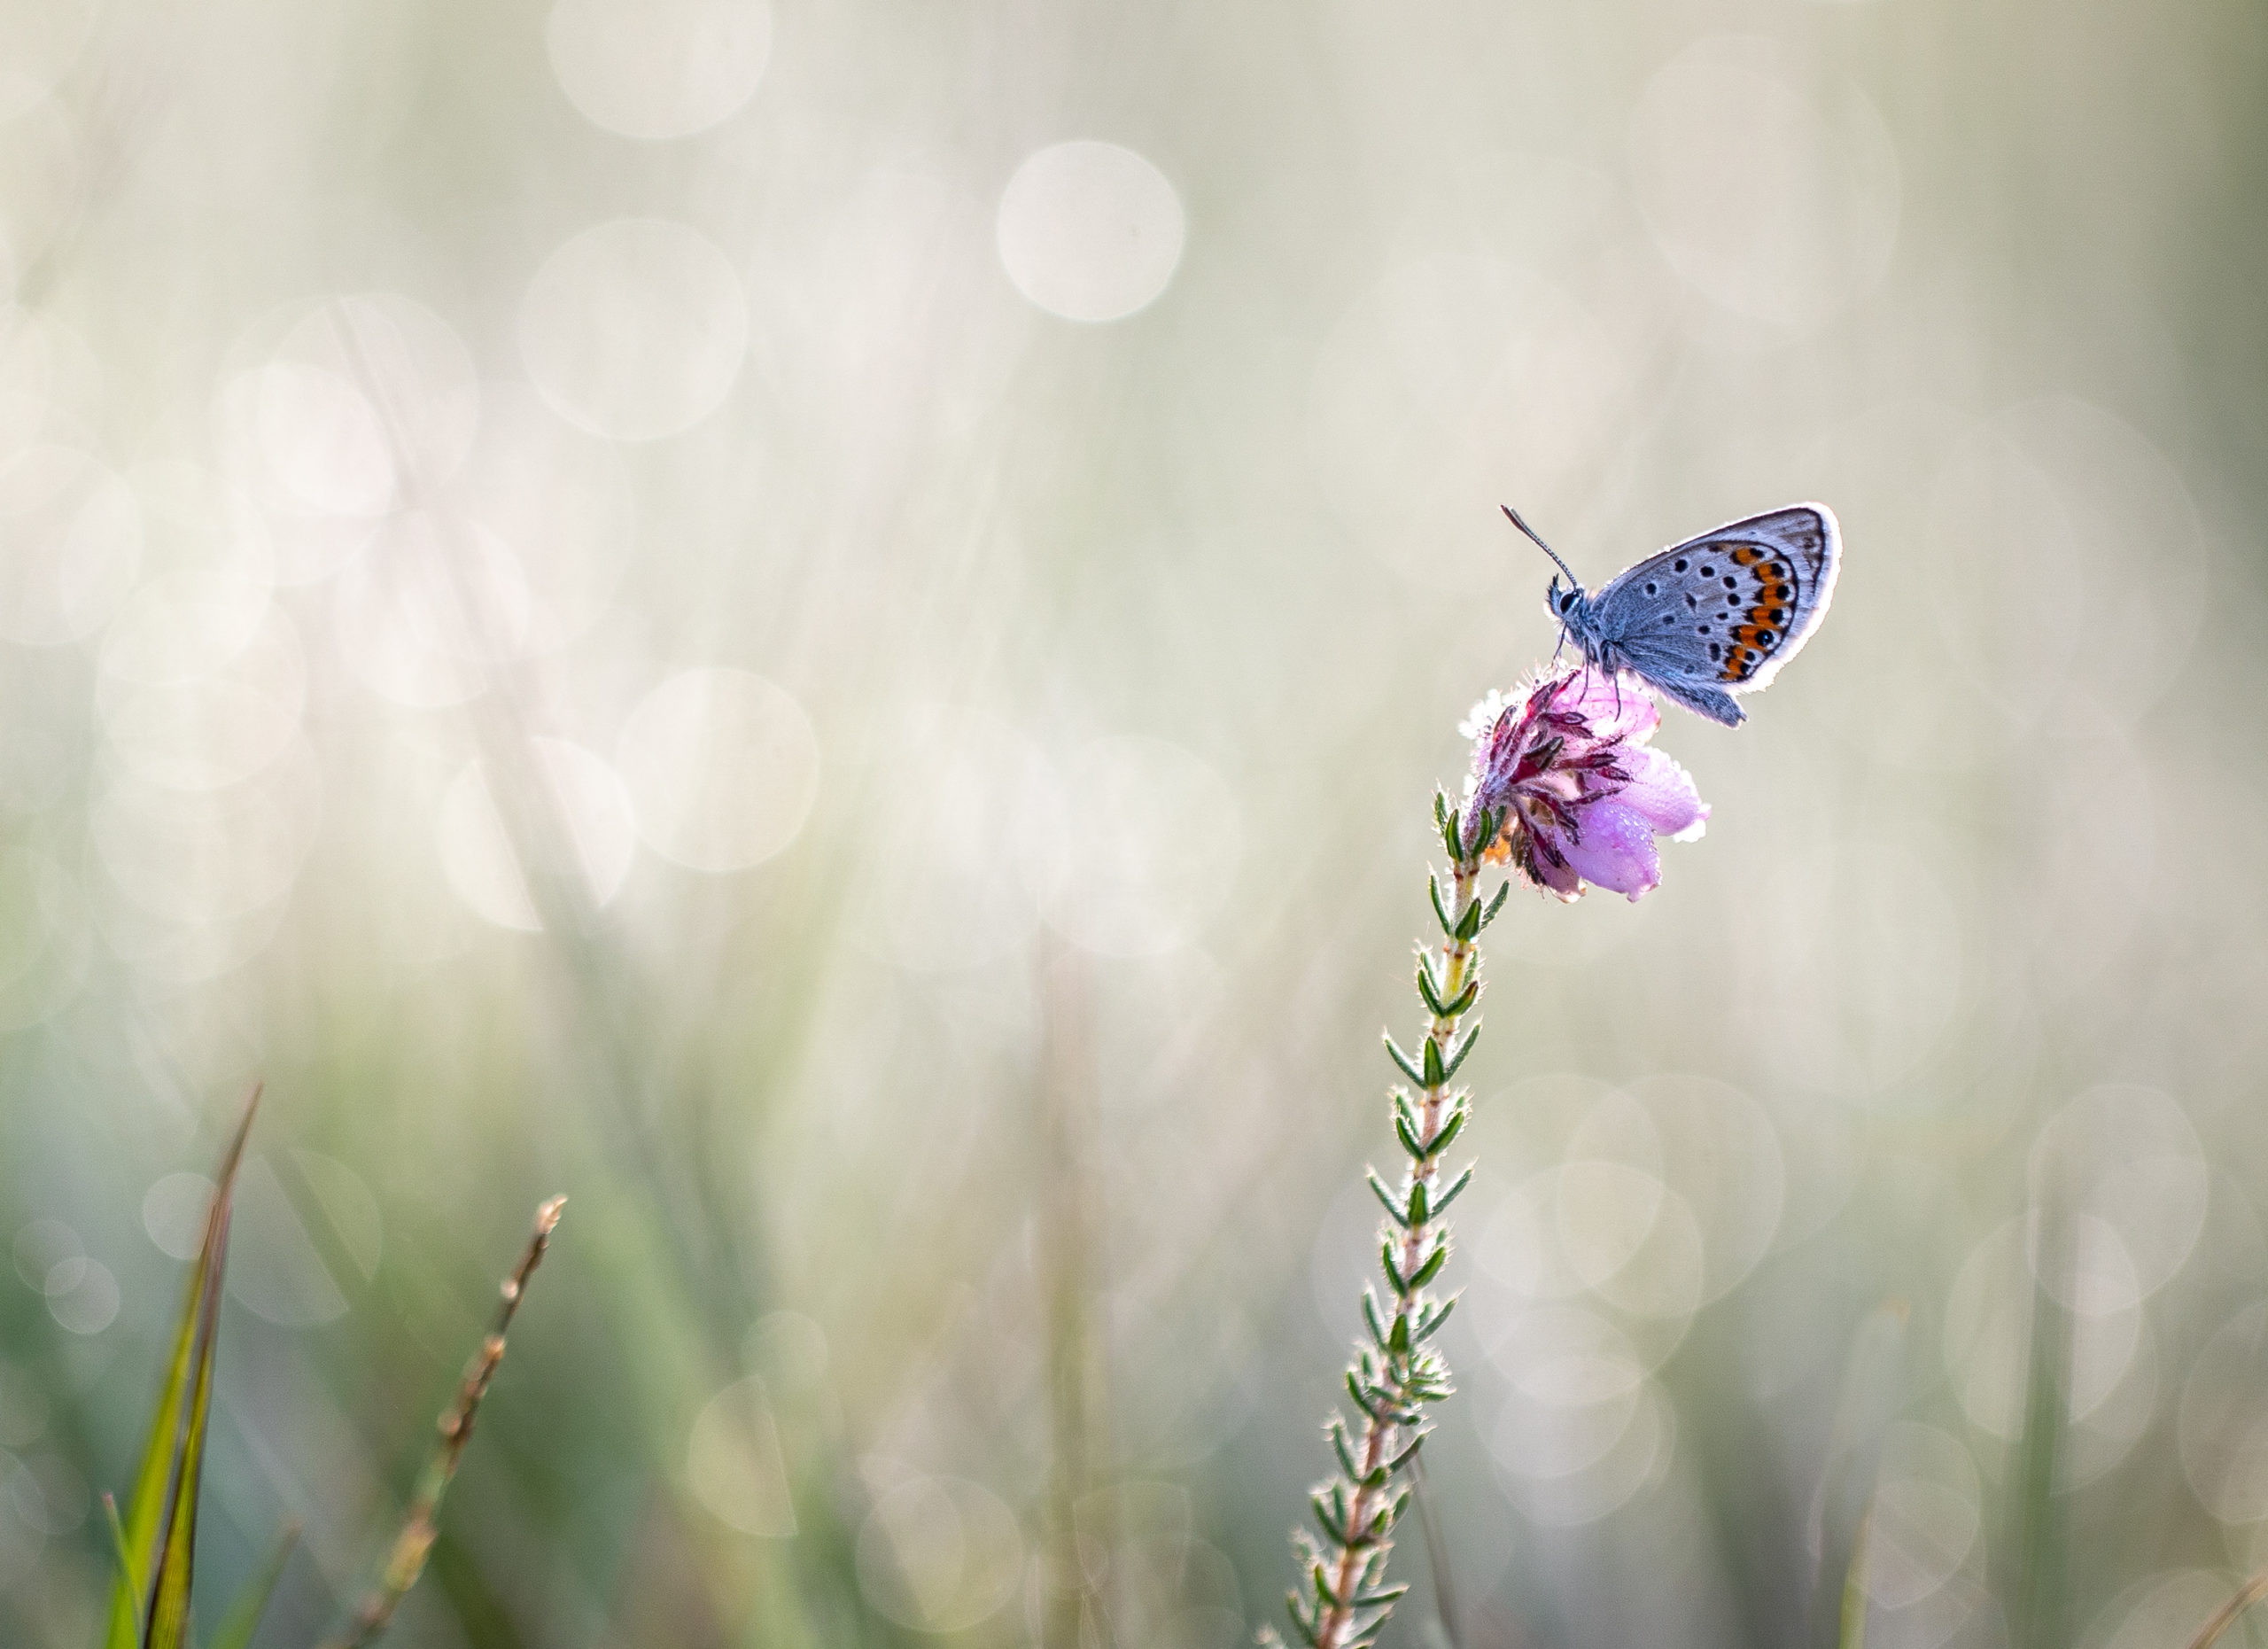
<point>1713,617</point>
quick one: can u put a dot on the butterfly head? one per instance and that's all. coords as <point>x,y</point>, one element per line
<point>1563,602</point>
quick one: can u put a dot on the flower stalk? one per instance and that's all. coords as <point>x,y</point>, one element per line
<point>1566,792</point>
<point>1396,1372</point>
<point>419,1528</point>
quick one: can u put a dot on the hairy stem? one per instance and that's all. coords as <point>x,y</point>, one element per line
<point>1394,1374</point>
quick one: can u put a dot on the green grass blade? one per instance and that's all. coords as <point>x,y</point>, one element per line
<point>137,1533</point>
<point>169,1600</point>
<point>117,1531</point>
<point>243,1616</point>
<point>2036,1587</point>
<point>1873,1382</point>
<point>1854,1592</point>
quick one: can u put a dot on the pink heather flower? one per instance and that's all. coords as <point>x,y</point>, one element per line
<point>1564,761</point>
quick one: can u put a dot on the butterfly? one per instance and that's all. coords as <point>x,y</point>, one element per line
<point>1713,617</point>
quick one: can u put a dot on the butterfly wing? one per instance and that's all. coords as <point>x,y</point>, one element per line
<point>1721,613</point>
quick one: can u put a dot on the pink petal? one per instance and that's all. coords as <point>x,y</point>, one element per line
<point>1661,792</point>
<point>1616,851</point>
<point>1615,708</point>
<point>1557,876</point>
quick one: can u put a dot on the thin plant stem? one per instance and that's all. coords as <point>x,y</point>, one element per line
<point>1395,1373</point>
<point>1075,1394</point>
<point>1437,1553</point>
<point>411,1546</point>
<point>2038,1602</point>
<point>2247,1595</point>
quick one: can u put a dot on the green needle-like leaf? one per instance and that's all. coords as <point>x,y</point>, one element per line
<point>1393,1272</point>
<point>1434,1317</point>
<point>1387,1201</point>
<point>1431,1269</point>
<point>1427,994</point>
<point>1449,1066</point>
<point>1342,1448</point>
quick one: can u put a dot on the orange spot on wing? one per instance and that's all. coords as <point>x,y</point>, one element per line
<point>1746,554</point>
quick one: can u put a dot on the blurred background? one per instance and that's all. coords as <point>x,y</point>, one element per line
<point>830,628</point>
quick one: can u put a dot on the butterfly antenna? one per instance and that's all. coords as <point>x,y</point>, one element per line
<point>1513,516</point>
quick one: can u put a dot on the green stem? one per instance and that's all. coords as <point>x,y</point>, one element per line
<point>1396,1374</point>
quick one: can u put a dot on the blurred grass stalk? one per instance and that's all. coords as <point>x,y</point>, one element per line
<point>406,1561</point>
<point>2225,1616</point>
<point>1075,1609</point>
<point>156,1540</point>
<point>2037,1601</point>
<point>677,1226</point>
<point>1873,1382</point>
